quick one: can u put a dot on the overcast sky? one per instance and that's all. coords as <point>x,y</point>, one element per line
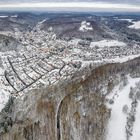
<point>102,5</point>
<point>33,1</point>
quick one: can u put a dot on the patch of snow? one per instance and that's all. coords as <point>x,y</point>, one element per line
<point>2,16</point>
<point>107,43</point>
<point>43,21</point>
<point>76,50</point>
<point>4,96</point>
<point>136,25</point>
<point>129,20</point>
<point>136,129</point>
<point>74,41</point>
<point>90,17</point>
<point>14,16</point>
<point>1,70</point>
<point>85,26</point>
<point>87,63</point>
<point>4,93</point>
<point>40,23</point>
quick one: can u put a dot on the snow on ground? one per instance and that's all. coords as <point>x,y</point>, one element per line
<point>136,25</point>
<point>1,70</point>
<point>118,59</point>
<point>121,59</point>
<point>14,16</point>
<point>2,16</point>
<point>4,94</point>
<point>43,20</point>
<point>76,50</point>
<point>116,126</point>
<point>85,26</point>
<point>129,20</point>
<point>136,130</point>
<point>74,41</point>
<point>107,43</point>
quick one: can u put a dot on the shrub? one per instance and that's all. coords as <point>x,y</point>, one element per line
<point>125,109</point>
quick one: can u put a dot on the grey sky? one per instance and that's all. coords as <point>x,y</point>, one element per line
<point>93,5</point>
<point>109,1</point>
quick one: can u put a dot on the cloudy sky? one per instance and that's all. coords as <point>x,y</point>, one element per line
<point>91,5</point>
<point>33,1</point>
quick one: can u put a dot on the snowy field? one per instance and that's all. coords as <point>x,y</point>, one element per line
<point>136,25</point>
<point>129,20</point>
<point>107,43</point>
<point>3,16</point>
<point>85,26</point>
<point>118,123</point>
